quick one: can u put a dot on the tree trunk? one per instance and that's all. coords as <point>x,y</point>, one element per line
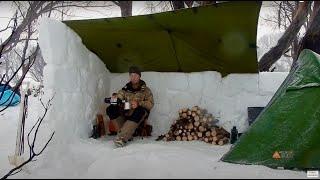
<point>312,37</point>
<point>289,35</point>
<point>126,8</point>
<point>177,4</point>
<point>189,3</point>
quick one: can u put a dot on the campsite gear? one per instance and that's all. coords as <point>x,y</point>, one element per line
<point>195,124</point>
<point>253,113</point>
<point>98,128</point>
<point>8,97</point>
<point>112,128</point>
<point>101,127</point>
<point>289,124</point>
<point>205,38</point>
<point>17,158</point>
<point>234,135</point>
<point>95,133</point>
<point>126,105</point>
<point>112,101</point>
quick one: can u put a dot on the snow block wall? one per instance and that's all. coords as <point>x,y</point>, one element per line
<point>76,77</point>
<point>226,98</point>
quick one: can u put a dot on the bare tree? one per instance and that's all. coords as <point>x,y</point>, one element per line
<point>285,41</point>
<point>177,4</point>
<point>32,141</point>
<point>36,71</point>
<point>312,37</point>
<point>125,7</point>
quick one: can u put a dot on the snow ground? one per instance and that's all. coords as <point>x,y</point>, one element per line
<point>142,158</point>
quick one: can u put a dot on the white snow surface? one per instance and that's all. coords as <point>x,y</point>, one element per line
<point>79,81</point>
<point>142,158</point>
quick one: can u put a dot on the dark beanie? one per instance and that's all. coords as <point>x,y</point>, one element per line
<point>134,69</point>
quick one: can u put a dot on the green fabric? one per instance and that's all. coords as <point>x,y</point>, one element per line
<point>218,37</point>
<point>290,123</point>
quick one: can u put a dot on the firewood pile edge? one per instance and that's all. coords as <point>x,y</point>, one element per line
<point>196,124</point>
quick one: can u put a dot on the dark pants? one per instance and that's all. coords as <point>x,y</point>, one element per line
<point>114,112</point>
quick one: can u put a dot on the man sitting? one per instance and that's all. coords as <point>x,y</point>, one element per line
<point>140,100</point>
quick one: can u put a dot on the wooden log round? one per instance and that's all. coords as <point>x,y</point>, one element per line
<point>195,137</point>
<point>184,115</point>
<point>208,133</point>
<point>223,141</point>
<point>218,137</point>
<point>206,139</point>
<point>201,129</point>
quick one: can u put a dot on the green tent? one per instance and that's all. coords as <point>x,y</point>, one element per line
<point>287,132</point>
<point>220,37</point>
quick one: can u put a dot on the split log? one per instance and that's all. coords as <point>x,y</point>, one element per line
<point>184,115</point>
<point>218,137</point>
<point>206,139</point>
<point>208,133</point>
<point>223,141</point>
<point>195,137</point>
<point>201,129</point>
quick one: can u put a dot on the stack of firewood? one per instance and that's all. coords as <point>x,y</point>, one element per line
<point>196,124</point>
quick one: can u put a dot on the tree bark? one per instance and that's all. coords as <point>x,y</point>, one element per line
<point>177,4</point>
<point>269,58</point>
<point>312,37</point>
<point>126,8</point>
<point>189,3</point>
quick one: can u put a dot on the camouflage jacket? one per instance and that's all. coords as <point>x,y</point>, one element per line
<point>143,94</point>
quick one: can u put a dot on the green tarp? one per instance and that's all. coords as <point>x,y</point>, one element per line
<point>289,125</point>
<point>219,37</point>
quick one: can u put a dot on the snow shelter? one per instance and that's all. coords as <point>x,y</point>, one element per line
<point>289,125</point>
<point>203,56</point>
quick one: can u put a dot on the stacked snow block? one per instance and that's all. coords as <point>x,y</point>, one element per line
<point>77,77</point>
<point>226,97</point>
